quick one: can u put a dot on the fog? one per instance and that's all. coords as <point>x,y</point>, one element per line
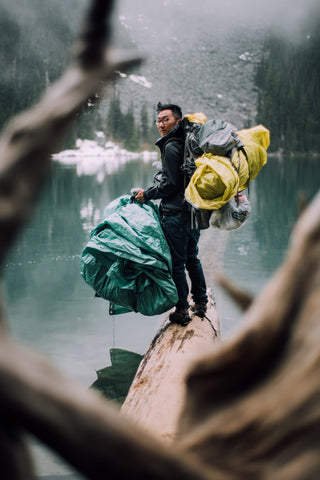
<point>175,17</point>
<point>149,23</point>
<point>202,54</point>
<point>158,18</point>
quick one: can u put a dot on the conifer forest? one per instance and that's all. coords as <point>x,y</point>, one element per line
<point>286,79</point>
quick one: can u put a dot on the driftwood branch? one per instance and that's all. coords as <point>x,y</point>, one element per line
<point>263,416</point>
<point>242,298</point>
<point>252,407</point>
<point>79,424</point>
<point>30,139</point>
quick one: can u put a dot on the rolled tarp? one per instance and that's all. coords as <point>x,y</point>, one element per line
<point>127,259</point>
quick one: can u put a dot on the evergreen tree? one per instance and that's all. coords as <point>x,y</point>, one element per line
<point>130,131</point>
<point>288,79</point>
<point>144,125</point>
<point>115,119</point>
<point>34,51</point>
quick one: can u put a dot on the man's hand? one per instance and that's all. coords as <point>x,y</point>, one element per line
<point>139,196</point>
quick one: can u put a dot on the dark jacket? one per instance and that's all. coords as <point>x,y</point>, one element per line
<point>170,187</point>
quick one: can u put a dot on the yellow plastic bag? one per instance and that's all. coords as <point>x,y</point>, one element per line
<point>213,184</point>
<point>256,140</point>
<point>197,117</point>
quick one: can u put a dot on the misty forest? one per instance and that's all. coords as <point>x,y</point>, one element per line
<point>282,74</point>
<point>234,394</point>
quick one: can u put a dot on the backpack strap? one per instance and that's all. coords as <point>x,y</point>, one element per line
<point>242,149</point>
<point>188,166</point>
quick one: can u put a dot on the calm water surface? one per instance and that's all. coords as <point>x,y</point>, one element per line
<point>49,306</point>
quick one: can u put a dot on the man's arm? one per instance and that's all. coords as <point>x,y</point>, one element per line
<point>140,195</point>
<point>170,178</point>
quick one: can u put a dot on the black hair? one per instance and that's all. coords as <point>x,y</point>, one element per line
<point>176,110</point>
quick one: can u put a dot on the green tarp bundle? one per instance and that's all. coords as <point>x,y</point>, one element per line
<point>127,259</point>
<point>114,381</point>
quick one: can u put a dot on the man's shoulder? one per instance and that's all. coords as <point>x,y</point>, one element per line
<point>174,146</point>
<point>174,141</point>
<point>175,138</point>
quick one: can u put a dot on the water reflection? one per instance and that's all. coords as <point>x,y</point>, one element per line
<point>277,202</point>
<point>48,303</point>
<point>50,306</point>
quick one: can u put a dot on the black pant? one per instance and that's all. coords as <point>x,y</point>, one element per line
<point>183,243</point>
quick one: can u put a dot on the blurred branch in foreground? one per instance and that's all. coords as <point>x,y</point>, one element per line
<point>252,407</point>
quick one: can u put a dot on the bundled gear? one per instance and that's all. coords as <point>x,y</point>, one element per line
<point>220,162</point>
<point>216,137</point>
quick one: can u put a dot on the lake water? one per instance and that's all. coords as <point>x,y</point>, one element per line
<point>49,306</point>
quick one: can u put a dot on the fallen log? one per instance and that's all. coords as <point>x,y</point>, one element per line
<point>156,395</point>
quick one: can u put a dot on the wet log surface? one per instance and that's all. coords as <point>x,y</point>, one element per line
<point>156,396</point>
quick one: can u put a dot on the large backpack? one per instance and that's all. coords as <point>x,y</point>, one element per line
<point>216,137</point>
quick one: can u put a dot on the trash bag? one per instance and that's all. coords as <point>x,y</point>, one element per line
<point>232,215</point>
<point>127,259</point>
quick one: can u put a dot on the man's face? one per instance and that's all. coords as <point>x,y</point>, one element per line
<point>166,122</point>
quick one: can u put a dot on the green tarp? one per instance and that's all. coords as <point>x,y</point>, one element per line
<point>114,381</point>
<point>127,259</point>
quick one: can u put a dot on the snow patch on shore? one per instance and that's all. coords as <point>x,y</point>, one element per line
<point>93,158</point>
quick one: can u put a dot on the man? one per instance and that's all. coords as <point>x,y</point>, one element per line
<point>175,217</point>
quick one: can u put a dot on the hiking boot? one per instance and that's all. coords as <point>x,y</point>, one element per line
<point>180,316</point>
<point>199,309</point>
